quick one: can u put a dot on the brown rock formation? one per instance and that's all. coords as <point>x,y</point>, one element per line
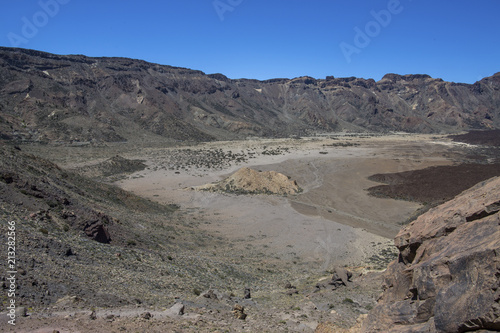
<point>249,181</point>
<point>447,277</point>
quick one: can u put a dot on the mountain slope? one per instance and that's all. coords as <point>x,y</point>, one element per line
<point>98,245</point>
<point>50,98</point>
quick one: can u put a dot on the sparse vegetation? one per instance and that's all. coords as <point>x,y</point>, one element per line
<point>347,301</point>
<point>174,248</point>
<point>86,245</point>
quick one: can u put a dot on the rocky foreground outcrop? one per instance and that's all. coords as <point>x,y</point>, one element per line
<point>48,195</point>
<point>447,277</point>
<point>249,181</point>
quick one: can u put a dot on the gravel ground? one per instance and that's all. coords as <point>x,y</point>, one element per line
<point>225,242</point>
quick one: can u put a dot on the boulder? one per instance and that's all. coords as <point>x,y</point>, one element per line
<point>210,295</point>
<point>341,277</point>
<point>176,310</point>
<point>447,276</point>
<point>248,294</point>
<point>146,315</point>
<point>239,312</point>
<point>21,312</point>
<point>93,315</point>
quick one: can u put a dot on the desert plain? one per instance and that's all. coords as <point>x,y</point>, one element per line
<point>332,222</point>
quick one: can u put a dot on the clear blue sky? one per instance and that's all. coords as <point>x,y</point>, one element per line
<point>454,40</point>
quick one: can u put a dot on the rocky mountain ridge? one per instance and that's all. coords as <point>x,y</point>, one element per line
<point>53,98</point>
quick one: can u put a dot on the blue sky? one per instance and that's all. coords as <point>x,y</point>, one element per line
<point>454,40</point>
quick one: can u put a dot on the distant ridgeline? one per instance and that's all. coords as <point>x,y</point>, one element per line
<point>52,98</point>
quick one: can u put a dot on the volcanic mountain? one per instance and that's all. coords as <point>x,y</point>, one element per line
<point>74,98</point>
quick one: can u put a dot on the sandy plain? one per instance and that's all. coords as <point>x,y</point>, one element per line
<point>332,222</point>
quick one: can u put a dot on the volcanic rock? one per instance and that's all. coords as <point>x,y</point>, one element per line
<point>93,315</point>
<point>47,194</point>
<point>175,310</point>
<point>249,181</point>
<point>82,100</point>
<point>248,294</point>
<point>21,312</point>
<point>447,277</point>
<point>239,312</point>
<point>146,315</point>
<point>341,277</point>
<point>210,295</point>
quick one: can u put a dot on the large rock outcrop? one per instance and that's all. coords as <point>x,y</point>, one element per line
<point>249,181</point>
<point>447,277</point>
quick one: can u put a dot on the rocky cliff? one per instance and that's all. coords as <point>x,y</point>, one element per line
<point>50,98</point>
<point>447,277</point>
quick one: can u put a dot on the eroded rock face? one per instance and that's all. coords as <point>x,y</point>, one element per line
<point>447,277</point>
<point>78,99</point>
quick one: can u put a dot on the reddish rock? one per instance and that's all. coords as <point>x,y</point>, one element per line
<point>447,277</point>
